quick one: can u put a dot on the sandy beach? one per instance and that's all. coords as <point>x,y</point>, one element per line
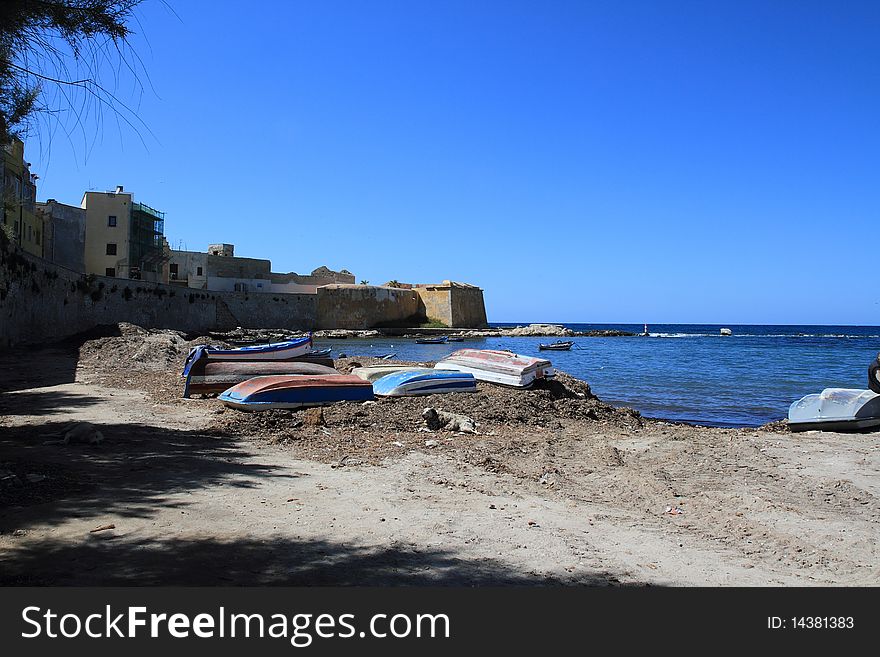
<point>556,487</point>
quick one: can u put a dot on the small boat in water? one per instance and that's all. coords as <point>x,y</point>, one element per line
<point>454,339</point>
<point>267,392</point>
<point>503,367</point>
<point>836,409</point>
<point>374,372</point>
<point>287,350</point>
<point>726,331</point>
<point>423,382</point>
<point>556,346</point>
<point>440,339</point>
<point>207,376</point>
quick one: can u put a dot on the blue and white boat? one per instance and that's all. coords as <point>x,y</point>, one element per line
<point>287,350</point>
<point>423,382</point>
<point>267,392</point>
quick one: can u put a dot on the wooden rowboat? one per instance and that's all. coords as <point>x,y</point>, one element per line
<point>209,377</point>
<point>556,346</point>
<point>275,351</point>
<point>440,339</point>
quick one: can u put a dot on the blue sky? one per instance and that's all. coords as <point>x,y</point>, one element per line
<point>581,161</point>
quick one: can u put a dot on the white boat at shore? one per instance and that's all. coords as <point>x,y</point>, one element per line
<point>502,367</point>
<point>726,331</point>
<point>836,409</point>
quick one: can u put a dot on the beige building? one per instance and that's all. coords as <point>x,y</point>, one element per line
<point>124,238</point>
<point>19,190</point>
<point>220,270</point>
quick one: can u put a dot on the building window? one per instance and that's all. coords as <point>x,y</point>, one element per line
<point>111,249</point>
<point>198,271</point>
<point>30,234</point>
<point>111,221</point>
<point>37,236</point>
<point>173,271</point>
<point>110,271</point>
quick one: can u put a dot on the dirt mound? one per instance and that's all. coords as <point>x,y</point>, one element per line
<point>137,358</point>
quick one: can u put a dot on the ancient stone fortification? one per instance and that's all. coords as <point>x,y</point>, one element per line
<point>40,300</point>
<point>455,304</point>
<point>365,306</point>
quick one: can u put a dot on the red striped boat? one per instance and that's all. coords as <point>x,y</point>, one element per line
<point>504,367</point>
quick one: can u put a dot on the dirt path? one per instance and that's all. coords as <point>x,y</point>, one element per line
<point>579,503</point>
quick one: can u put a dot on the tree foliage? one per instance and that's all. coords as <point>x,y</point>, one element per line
<point>59,45</point>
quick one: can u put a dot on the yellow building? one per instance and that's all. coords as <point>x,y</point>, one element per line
<point>20,219</point>
<point>124,238</point>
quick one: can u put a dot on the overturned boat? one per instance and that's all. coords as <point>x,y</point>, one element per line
<point>267,392</point>
<point>374,372</point>
<point>503,367</point>
<point>287,350</point>
<point>208,376</point>
<point>423,382</point>
<point>836,409</point>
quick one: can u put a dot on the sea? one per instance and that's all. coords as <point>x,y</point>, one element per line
<point>684,372</point>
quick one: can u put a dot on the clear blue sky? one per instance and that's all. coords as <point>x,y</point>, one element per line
<point>581,161</point>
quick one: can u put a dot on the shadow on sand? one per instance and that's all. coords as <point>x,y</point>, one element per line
<point>135,471</point>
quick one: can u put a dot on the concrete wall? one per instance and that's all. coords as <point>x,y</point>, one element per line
<point>188,265</point>
<point>42,301</point>
<point>235,267</point>
<point>65,234</point>
<point>363,306</point>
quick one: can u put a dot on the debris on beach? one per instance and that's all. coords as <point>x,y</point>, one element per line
<point>454,422</point>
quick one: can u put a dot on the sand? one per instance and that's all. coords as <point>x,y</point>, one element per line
<point>556,488</point>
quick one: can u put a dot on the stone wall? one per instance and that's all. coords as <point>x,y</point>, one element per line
<point>457,305</point>
<point>41,301</point>
<point>64,234</point>
<point>364,306</point>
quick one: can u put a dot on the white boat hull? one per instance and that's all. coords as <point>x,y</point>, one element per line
<point>499,367</point>
<point>836,409</point>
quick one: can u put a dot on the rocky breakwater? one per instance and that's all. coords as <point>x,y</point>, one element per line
<point>541,330</point>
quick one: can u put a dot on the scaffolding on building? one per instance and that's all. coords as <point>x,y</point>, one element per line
<point>146,251</point>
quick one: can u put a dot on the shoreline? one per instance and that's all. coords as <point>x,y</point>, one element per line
<point>556,487</point>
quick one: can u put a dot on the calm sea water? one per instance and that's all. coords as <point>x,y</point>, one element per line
<point>687,372</point>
